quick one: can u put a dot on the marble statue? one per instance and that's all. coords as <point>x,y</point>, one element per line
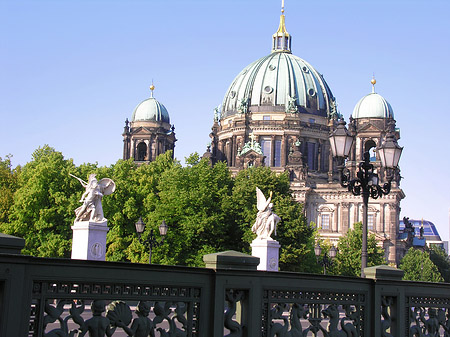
<point>92,210</point>
<point>266,221</point>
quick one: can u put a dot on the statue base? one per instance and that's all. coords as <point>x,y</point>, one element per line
<point>268,252</point>
<point>89,240</point>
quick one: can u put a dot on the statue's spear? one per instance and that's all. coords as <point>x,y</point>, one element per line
<point>79,179</point>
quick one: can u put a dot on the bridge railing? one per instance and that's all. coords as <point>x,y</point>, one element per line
<point>59,297</point>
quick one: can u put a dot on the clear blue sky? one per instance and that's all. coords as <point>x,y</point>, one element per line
<point>72,71</point>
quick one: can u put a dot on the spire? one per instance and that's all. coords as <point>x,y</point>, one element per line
<point>373,81</point>
<point>281,40</point>
<point>152,87</point>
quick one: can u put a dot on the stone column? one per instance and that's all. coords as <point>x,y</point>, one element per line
<point>150,149</point>
<point>228,150</point>
<point>357,218</point>
<point>381,221</point>
<point>283,150</point>
<point>233,151</point>
<point>220,150</point>
<point>336,212</point>
<point>133,145</point>
<point>89,240</point>
<point>319,156</point>
<point>393,218</point>
<point>272,151</point>
<point>268,252</point>
<point>344,218</point>
<point>330,167</point>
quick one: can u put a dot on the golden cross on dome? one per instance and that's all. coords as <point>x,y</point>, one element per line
<point>152,87</point>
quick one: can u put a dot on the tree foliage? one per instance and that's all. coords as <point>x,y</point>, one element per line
<point>418,266</point>
<point>442,261</point>
<point>8,186</point>
<point>44,201</point>
<point>348,259</point>
<point>207,210</point>
<point>293,232</point>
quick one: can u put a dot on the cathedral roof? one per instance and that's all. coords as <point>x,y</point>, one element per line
<point>373,105</point>
<point>280,80</point>
<point>150,110</point>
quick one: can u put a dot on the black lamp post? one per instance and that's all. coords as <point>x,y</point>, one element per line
<point>327,260</point>
<point>366,181</point>
<point>151,240</point>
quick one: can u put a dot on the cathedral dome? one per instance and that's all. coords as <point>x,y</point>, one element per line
<point>279,81</point>
<point>373,105</point>
<point>150,110</point>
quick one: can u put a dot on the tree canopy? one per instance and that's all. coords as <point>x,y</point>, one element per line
<point>418,266</point>
<point>348,259</point>
<point>44,199</point>
<point>442,261</point>
<point>207,210</point>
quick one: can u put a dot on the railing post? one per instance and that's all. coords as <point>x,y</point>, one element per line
<point>234,292</point>
<point>386,309</point>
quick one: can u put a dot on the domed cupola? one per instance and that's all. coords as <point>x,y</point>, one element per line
<point>279,82</point>
<point>149,134</point>
<point>373,105</point>
<point>150,110</point>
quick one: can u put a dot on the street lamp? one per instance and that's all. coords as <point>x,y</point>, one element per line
<point>327,260</point>
<point>366,182</point>
<point>151,240</point>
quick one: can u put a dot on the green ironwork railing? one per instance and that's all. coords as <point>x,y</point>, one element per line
<point>59,297</point>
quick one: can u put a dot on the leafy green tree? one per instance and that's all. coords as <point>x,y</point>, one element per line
<point>193,201</point>
<point>418,266</point>
<point>348,259</point>
<point>442,261</point>
<point>294,234</point>
<point>208,211</point>
<point>44,202</point>
<point>8,186</point>
<point>136,196</point>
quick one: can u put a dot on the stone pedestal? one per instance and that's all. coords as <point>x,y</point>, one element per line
<point>89,240</point>
<point>231,260</point>
<point>268,252</point>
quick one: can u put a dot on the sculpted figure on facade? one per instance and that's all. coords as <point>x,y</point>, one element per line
<point>266,221</point>
<point>92,209</point>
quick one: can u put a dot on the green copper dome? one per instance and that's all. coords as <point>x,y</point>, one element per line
<point>150,110</point>
<point>279,81</point>
<point>373,106</point>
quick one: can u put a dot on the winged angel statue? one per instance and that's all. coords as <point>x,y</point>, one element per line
<point>266,221</point>
<point>92,209</point>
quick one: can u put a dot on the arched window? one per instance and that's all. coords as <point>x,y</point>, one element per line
<point>371,147</point>
<point>142,151</point>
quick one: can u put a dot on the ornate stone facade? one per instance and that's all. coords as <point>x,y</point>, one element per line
<point>149,134</point>
<point>281,102</point>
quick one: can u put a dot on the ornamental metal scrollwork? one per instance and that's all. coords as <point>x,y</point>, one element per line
<point>107,318</point>
<point>233,297</point>
<point>365,178</point>
<point>428,322</point>
<point>305,319</point>
<point>386,309</point>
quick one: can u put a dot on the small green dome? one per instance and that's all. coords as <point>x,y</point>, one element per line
<point>283,80</point>
<point>150,110</point>
<point>373,105</point>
